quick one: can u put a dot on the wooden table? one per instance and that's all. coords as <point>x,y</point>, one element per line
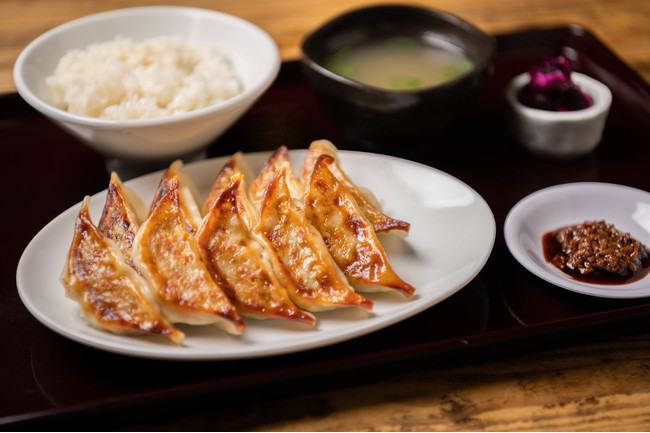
<point>600,385</point>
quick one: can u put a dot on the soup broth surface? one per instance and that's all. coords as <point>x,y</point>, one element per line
<point>398,64</point>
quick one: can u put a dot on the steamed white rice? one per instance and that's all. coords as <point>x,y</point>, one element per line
<point>123,79</point>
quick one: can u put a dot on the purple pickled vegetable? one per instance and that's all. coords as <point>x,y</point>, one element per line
<point>552,89</point>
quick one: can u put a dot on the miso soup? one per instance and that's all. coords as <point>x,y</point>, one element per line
<point>398,64</point>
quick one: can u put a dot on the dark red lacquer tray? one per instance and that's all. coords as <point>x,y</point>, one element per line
<point>505,310</point>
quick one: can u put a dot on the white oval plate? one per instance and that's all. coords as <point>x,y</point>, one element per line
<point>452,235</point>
<point>574,203</point>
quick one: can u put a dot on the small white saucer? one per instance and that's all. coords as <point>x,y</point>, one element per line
<point>574,203</point>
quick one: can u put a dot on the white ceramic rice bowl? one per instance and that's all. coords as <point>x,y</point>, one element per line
<point>253,53</point>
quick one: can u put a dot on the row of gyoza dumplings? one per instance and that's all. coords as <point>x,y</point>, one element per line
<point>282,248</point>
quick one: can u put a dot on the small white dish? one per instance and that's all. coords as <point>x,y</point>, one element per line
<point>253,53</point>
<point>559,134</point>
<point>451,237</point>
<point>574,203</point>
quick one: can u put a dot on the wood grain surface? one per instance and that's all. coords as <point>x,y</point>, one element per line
<point>599,386</point>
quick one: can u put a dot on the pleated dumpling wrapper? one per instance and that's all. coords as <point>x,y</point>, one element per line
<point>365,199</point>
<point>269,171</point>
<point>111,293</point>
<point>299,254</point>
<point>121,217</point>
<point>349,236</point>
<point>166,253</point>
<point>236,165</point>
<point>187,191</point>
<point>236,260</point>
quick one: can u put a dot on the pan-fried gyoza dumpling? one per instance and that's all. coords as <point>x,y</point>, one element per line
<point>109,291</point>
<point>187,190</point>
<point>364,198</point>
<point>236,165</point>
<point>300,257</point>
<point>121,217</point>
<point>166,253</point>
<point>269,171</point>
<point>235,258</point>
<point>348,234</point>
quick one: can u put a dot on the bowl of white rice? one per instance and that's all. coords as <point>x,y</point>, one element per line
<point>148,83</point>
